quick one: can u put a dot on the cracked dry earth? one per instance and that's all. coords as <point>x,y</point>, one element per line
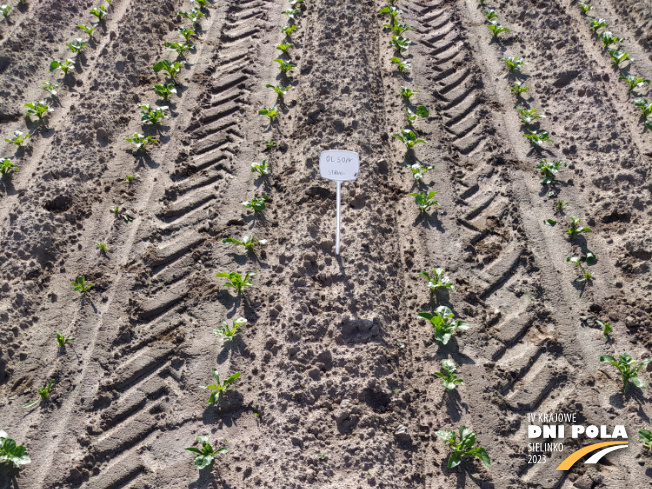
<point>322,369</point>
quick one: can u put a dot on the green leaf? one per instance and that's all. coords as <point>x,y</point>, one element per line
<point>203,461</point>
<point>639,383</point>
<point>607,358</point>
<point>446,435</point>
<point>194,450</point>
<point>550,222</point>
<point>454,460</point>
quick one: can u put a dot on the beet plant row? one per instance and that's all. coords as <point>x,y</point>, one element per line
<point>625,364</point>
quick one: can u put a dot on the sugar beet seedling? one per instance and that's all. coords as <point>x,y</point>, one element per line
<point>44,394</point>
<point>219,388</point>
<point>237,281</point>
<point>206,454</point>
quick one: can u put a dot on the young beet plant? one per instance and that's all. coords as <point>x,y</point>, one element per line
<point>628,369</point>
<point>172,69</point>
<point>537,138</point>
<point>81,285</point>
<point>65,66</point>
<point>100,13</point>
<point>7,167</point>
<point>88,29</point>
<point>39,109</point>
<point>608,39</point>
<point>549,170</point>
<point>4,10</point>
<point>237,281</point>
<point>248,242</point>
<point>644,106</point>
<point>257,203</point>
<point>424,200</point>
<point>285,66</point>
<point>228,333</point>
<point>43,394</point>
<point>398,29</point>
<point>392,12</point>
<point>418,171</point>
<point>634,82</point>
<point>103,247</point>
<point>205,456</point>
<point>528,116</point>
<point>438,280</point>
<point>261,168</point>
<point>443,323</point>
<point>194,16</point>
<point>575,228</point>
<point>618,57</point>
<point>597,24</point>
<point>401,65</point>
<point>513,63</point>
<point>121,214</point>
<point>51,88</point>
<point>518,88</point>
<point>585,276</point>
<point>411,117</point>
<point>77,46</point>
<point>288,29</point>
<point>270,112</point>
<point>400,43</point>
<point>10,453</point>
<point>164,91</point>
<point>606,328</point>
<point>463,448</point>
<point>19,138</point>
<point>448,377</point>
<point>153,116</point>
<point>63,341</point>
<point>141,142</point>
<point>180,47</point>
<point>644,435</point>
<point>408,138</point>
<point>496,29</point>
<point>586,8</point>
<point>407,93</point>
<point>219,388</point>
<point>283,47</point>
<point>280,91</point>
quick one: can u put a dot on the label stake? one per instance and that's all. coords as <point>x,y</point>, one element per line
<point>341,166</point>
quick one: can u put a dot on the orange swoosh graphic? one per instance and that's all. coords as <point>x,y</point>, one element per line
<point>575,456</point>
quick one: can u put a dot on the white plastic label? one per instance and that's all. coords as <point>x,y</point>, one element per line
<point>339,165</point>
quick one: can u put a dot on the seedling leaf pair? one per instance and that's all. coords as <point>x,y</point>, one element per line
<point>418,171</point>
<point>7,167</point>
<point>628,369</point>
<point>206,454</point>
<point>172,69</point>
<point>443,323</point>
<point>219,388</point>
<point>449,378</point>
<point>257,203</point>
<point>513,62</point>
<point>248,242</point>
<point>236,280</point>
<point>228,333</point>
<point>408,138</point>
<point>537,138</point>
<point>81,285</point>
<point>424,200</point>
<point>438,280</point>
<point>19,138</point>
<point>261,168</point>
<point>43,393</point>
<point>549,170</point>
<point>141,142</point>
<point>39,109</point>
<point>10,453</point>
<point>463,448</point>
<point>63,341</point>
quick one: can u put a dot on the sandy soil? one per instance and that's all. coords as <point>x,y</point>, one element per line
<point>333,359</point>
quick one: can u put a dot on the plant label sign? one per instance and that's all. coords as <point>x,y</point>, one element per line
<point>341,166</point>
